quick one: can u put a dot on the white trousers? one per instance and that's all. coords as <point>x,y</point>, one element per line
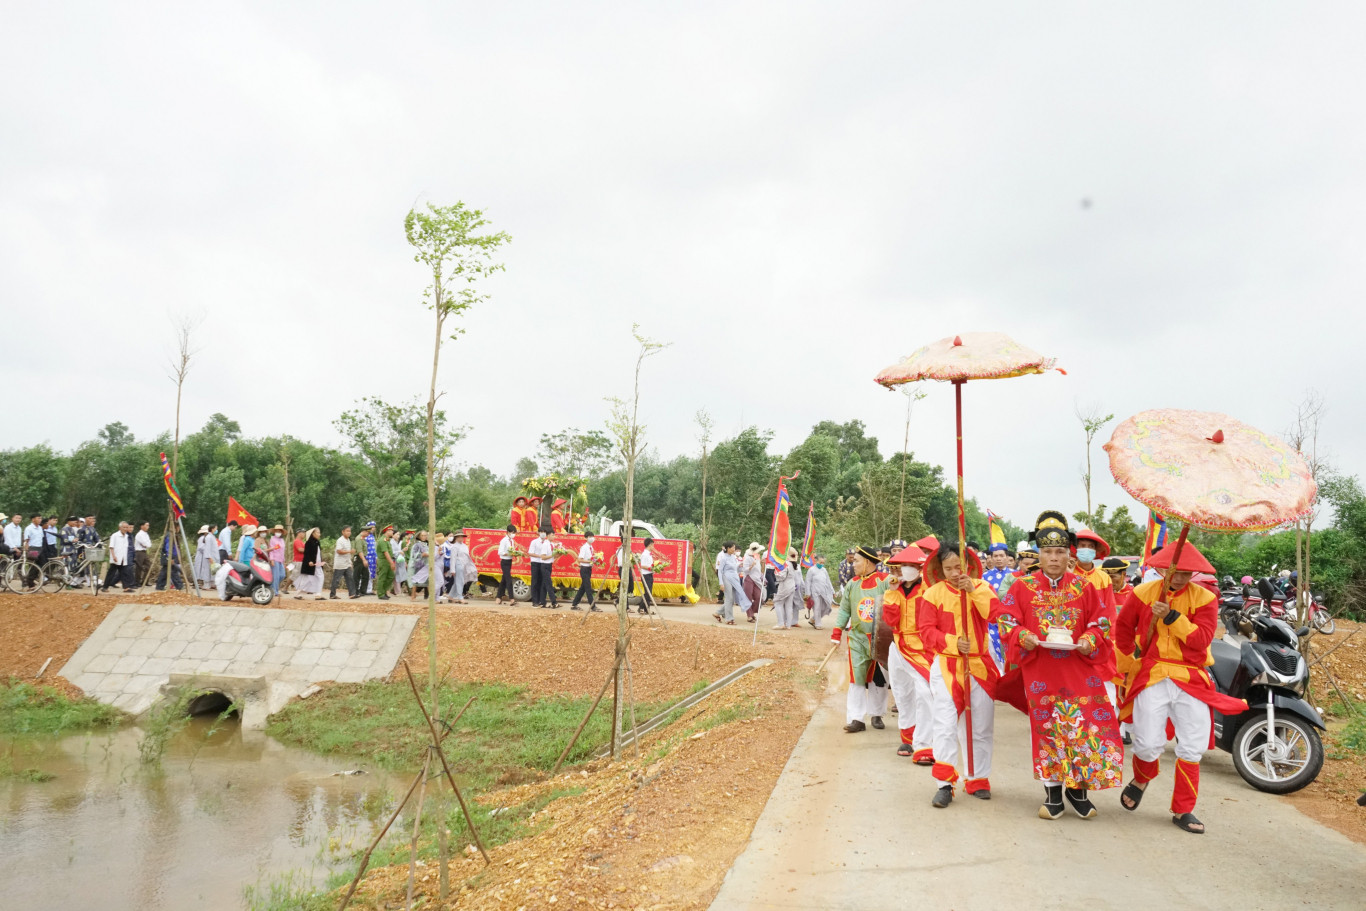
<point>950,734</point>
<point>914,703</point>
<point>865,700</point>
<point>1188,715</point>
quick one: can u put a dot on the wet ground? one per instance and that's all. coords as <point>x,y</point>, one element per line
<point>229,809</point>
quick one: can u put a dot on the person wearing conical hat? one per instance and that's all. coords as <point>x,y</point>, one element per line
<point>1172,684</point>
<point>908,664</point>
<point>860,609</point>
<point>517,514</point>
<point>1055,622</point>
<point>963,673</point>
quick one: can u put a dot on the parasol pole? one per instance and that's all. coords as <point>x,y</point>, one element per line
<point>1166,577</point>
<point>963,567</point>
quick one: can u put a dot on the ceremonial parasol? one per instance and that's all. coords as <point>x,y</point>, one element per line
<point>1210,471</point>
<point>970,356</point>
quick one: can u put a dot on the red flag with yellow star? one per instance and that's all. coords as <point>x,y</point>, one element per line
<point>239,515</point>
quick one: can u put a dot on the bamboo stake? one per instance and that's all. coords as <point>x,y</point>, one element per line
<point>631,691</point>
<point>828,654</point>
<point>582,724</point>
<point>417,830</point>
<point>365,860</point>
<point>436,741</point>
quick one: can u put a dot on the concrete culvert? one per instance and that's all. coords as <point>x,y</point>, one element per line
<point>212,702</point>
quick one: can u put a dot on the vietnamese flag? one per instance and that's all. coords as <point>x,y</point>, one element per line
<point>239,515</point>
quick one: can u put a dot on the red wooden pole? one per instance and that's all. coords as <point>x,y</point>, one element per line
<point>963,567</point>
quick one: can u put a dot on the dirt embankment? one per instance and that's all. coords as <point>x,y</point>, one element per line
<point>1331,798</point>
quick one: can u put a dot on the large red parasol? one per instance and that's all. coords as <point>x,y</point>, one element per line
<point>970,356</point>
<point>1210,471</point>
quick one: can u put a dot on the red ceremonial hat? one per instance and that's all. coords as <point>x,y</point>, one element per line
<point>1102,548</point>
<point>519,500</point>
<point>1192,561</point>
<point>557,504</point>
<point>929,544</point>
<point>909,555</point>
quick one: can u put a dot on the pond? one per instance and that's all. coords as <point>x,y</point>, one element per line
<point>228,809</point>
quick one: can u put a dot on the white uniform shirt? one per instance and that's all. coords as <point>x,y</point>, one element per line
<point>142,541</point>
<point>14,536</point>
<point>118,548</point>
<point>540,550</point>
<point>341,558</point>
<point>506,547</point>
<point>586,555</point>
<point>647,561</point>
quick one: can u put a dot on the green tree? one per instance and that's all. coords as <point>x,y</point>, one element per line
<point>1120,531</point>
<point>575,453</point>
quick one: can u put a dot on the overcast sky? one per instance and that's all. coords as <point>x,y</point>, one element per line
<point>1168,198</point>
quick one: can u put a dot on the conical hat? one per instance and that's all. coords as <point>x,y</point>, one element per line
<point>1192,561</point>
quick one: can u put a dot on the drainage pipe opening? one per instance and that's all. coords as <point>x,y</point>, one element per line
<point>210,703</point>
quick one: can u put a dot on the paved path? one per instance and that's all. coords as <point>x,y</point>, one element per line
<point>849,826</point>
<point>138,648</point>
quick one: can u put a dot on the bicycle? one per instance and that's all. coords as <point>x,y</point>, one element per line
<point>83,567</point>
<point>24,576</point>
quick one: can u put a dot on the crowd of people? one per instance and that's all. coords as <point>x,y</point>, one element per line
<point>1096,663</point>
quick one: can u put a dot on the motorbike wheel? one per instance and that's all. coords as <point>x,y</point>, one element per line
<point>262,595</point>
<point>1288,763</point>
<point>1324,622</point>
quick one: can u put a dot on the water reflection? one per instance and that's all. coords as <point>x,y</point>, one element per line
<point>230,808</point>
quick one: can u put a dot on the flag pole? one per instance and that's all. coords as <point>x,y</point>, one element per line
<point>186,543</point>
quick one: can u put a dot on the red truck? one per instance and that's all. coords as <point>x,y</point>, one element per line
<point>672,567</point>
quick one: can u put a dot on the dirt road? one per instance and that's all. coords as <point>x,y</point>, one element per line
<point>849,826</point>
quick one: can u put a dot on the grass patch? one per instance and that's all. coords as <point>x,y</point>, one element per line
<point>8,772</point>
<point>26,708</point>
<point>1353,736</point>
<point>506,737</point>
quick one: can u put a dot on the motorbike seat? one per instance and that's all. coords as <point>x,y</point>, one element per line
<point>1227,658</point>
<point>1265,590</point>
<point>243,569</point>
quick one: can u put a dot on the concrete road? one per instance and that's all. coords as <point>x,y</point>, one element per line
<point>850,826</point>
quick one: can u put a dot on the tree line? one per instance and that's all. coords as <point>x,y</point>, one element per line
<point>379,473</point>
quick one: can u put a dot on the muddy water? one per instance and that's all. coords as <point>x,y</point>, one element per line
<point>230,809</point>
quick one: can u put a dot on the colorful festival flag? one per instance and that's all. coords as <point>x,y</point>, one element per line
<point>997,536</point>
<point>239,515</point>
<point>780,535</point>
<point>1155,538</point>
<point>177,505</point>
<point>809,538</point>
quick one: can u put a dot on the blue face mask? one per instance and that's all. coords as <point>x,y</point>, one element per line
<point>1086,555</point>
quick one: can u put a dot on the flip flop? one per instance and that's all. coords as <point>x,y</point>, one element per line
<point>1131,792</point>
<point>904,750</point>
<point>1186,821</point>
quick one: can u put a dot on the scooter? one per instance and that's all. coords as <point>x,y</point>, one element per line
<point>1275,743</point>
<point>250,581</point>
<point>1275,603</point>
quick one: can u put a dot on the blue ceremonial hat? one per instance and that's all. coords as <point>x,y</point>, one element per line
<point>995,548</point>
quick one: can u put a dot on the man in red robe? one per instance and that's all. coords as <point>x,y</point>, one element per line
<point>1171,685</point>
<point>908,662</point>
<point>531,519</point>
<point>963,676</point>
<point>557,517</point>
<point>1057,624</point>
<point>516,515</point>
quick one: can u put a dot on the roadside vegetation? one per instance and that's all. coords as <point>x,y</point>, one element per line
<point>26,708</point>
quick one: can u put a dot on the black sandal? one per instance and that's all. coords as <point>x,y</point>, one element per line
<point>1186,821</point>
<point>1131,792</point>
<point>904,750</point>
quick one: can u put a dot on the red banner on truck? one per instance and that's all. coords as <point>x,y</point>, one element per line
<point>672,568</point>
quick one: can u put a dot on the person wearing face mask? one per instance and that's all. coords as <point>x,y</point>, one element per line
<point>787,602</point>
<point>1172,684</point>
<point>1091,551</point>
<point>1057,624</point>
<point>998,555</point>
<point>859,611</point>
<point>819,591</point>
<point>908,665</point>
<point>963,671</point>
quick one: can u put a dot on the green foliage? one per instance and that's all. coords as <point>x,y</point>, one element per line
<point>166,719</point>
<point>1120,531</point>
<point>8,772</point>
<point>29,709</point>
<point>505,728</point>
<point>1353,735</point>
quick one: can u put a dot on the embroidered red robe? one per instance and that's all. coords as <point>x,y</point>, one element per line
<point>1074,729</point>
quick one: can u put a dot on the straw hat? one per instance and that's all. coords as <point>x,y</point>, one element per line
<point>277,527</point>
<point>248,530</point>
<point>203,530</point>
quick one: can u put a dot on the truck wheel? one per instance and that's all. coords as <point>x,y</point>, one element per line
<point>521,590</point>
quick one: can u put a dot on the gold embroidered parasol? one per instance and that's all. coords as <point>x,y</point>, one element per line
<point>970,356</point>
<point>1211,471</point>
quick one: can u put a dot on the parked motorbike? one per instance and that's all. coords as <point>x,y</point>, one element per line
<point>250,581</point>
<point>1275,743</point>
<point>1274,602</point>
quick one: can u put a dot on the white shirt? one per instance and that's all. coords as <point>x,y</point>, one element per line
<point>14,535</point>
<point>586,555</point>
<point>506,547</point>
<point>118,548</point>
<point>647,560</point>
<point>33,535</point>
<point>342,557</point>
<point>142,540</point>
<point>540,550</point>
